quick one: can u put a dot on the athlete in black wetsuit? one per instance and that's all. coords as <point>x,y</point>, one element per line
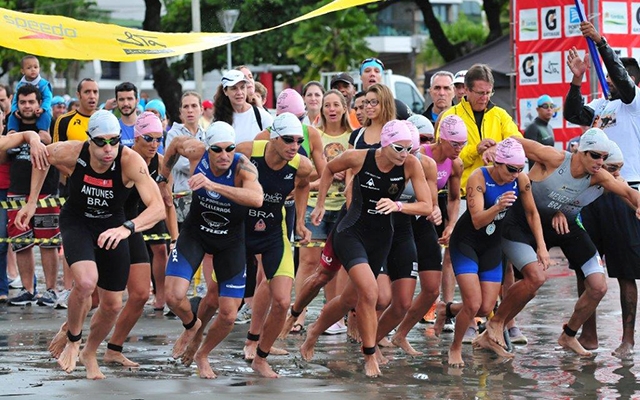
<point>94,230</point>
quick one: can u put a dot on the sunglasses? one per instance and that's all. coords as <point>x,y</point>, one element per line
<point>150,139</point>
<point>291,139</point>
<point>547,106</point>
<point>218,149</point>
<point>597,156</point>
<point>612,167</point>
<point>370,59</point>
<point>426,139</point>
<point>101,142</point>
<point>512,170</point>
<point>399,149</point>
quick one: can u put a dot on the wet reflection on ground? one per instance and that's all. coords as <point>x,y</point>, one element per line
<point>539,370</point>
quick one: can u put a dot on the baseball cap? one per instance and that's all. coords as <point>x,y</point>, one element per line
<point>459,76</point>
<point>286,124</point>
<point>56,100</point>
<point>394,131</point>
<point>544,99</point>
<point>157,105</point>
<point>290,101</point>
<point>594,139</point>
<point>452,128</point>
<point>207,104</point>
<point>232,77</point>
<point>146,123</point>
<point>103,122</point>
<point>342,77</point>
<point>219,132</point>
<point>510,151</point>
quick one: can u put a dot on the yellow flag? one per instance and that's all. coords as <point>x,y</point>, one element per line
<point>61,37</point>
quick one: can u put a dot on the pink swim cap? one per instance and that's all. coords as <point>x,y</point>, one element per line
<point>415,135</point>
<point>290,101</point>
<point>146,123</point>
<point>395,131</point>
<point>510,151</point>
<point>453,128</point>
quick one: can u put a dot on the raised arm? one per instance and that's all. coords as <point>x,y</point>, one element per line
<point>189,147</point>
<point>548,156</point>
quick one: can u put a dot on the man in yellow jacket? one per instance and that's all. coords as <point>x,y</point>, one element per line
<point>487,124</point>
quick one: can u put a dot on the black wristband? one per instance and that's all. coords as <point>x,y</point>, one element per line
<point>114,347</point>
<point>252,337</point>
<point>74,338</point>
<point>192,323</point>
<point>261,354</point>
<point>295,314</point>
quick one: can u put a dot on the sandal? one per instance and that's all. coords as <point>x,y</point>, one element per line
<point>297,329</point>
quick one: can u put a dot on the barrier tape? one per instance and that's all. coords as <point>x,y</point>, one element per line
<point>337,194</point>
<point>164,236</point>
<point>310,244</point>
<point>48,202</point>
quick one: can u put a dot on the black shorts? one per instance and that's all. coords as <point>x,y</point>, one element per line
<point>277,257</point>
<point>355,245</point>
<point>443,202</point>
<point>138,253</point>
<point>402,261</point>
<point>80,238</point>
<point>426,239</point>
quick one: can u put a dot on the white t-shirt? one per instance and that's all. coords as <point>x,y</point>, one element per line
<point>182,169</point>
<point>621,122</point>
<point>247,127</point>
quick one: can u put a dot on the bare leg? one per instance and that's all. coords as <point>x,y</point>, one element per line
<point>176,296</point>
<point>158,266</point>
<point>401,296</point>
<point>628,303</point>
<point>309,259</point>
<point>429,282</point>
<point>220,328</point>
<point>138,288</point>
<point>206,310</point>
<point>589,334</point>
<point>26,266</point>
<point>50,266</point>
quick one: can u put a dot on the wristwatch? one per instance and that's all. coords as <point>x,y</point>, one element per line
<point>130,226</point>
<point>161,179</point>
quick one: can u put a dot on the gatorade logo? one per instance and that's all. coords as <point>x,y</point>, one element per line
<point>551,20</point>
<point>528,66</point>
<point>41,30</point>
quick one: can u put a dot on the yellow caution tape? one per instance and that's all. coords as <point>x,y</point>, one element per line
<point>47,202</point>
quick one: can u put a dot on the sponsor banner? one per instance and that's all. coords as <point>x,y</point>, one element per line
<point>61,37</point>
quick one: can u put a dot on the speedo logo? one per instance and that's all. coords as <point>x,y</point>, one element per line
<point>41,30</point>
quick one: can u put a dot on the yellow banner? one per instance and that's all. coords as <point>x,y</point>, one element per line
<point>61,37</point>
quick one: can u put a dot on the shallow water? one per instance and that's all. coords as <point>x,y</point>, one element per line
<point>539,370</point>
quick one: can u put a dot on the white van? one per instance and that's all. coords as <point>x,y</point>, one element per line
<point>403,88</point>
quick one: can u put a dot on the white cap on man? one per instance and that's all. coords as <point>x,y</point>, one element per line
<point>103,122</point>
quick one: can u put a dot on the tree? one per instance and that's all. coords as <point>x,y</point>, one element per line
<point>497,23</point>
<point>332,42</point>
<point>462,31</point>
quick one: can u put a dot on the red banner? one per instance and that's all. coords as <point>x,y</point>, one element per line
<point>544,31</point>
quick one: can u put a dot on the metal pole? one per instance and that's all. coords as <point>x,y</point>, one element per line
<point>228,19</point>
<point>197,56</point>
<point>229,66</point>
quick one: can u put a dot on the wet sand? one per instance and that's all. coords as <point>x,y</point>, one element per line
<point>538,370</point>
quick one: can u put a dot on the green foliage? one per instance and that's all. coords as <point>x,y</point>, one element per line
<point>333,42</point>
<point>462,30</point>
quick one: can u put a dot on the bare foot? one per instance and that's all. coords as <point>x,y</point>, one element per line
<point>261,366</point>
<point>112,356</point>
<point>371,368</point>
<point>441,318</point>
<point>69,356</point>
<point>192,348</point>
<point>185,338</point>
<point>90,362</point>
<point>59,342</point>
<point>403,343</point>
<point>380,358</point>
<point>624,350</point>
<point>588,343</point>
<point>572,344</point>
<point>385,343</point>
<point>455,358</point>
<point>352,328</point>
<point>250,349</point>
<point>496,333</point>
<point>483,341</point>
<point>288,324</point>
<point>204,368</point>
<point>276,351</point>
<point>307,348</point>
